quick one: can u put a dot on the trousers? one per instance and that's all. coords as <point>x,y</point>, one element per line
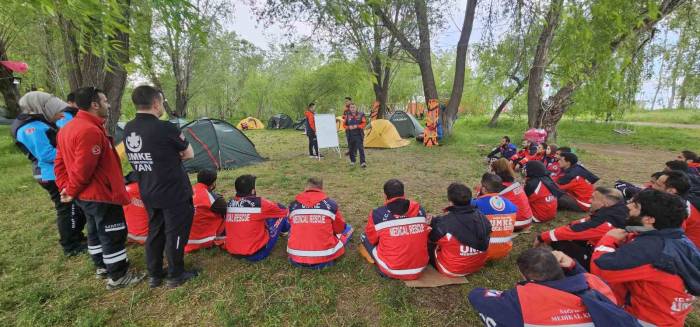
<point>106,236</point>
<point>356,144</point>
<point>168,231</point>
<point>70,219</point>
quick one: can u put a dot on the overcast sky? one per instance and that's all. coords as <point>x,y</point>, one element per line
<point>247,26</point>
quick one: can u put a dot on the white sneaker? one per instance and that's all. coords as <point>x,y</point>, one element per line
<point>352,163</point>
<point>130,278</point>
<point>101,273</point>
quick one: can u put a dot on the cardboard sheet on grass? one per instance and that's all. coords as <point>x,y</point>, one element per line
<point>432,278</point>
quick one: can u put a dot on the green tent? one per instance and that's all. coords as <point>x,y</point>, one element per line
<point>179,122</point>
<point>218,145</point>
<point>280,121</point>
<point>405,124</point>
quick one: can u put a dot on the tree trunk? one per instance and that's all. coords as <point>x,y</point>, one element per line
<point>9,90</point>
<point>424,54</point>
<point>450,114</point>
<point>115,77</point>
<point>499,110</point>
<point>534,92</point>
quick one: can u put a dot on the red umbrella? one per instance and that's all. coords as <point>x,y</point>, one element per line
<point>15,66</point>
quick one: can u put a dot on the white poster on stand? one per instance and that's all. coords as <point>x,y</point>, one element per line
<point>326,132</point>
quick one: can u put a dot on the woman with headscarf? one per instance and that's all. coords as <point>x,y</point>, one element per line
<point>542,192</point>
<point>34,131</point>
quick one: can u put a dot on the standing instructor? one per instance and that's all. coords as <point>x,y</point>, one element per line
<point>156,149</point>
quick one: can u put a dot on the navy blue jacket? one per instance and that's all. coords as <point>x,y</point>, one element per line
<point>577,170</point>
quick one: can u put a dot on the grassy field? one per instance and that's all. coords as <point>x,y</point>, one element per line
<point>675,116</point>
<point>40,287</point>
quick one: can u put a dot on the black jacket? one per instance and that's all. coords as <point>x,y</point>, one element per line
<point>466,224</point>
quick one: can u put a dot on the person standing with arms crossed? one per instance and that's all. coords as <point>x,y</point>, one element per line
<point>88,171</point>
<point>156,149</point>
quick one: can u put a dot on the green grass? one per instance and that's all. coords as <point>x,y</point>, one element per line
<point>40,287</point>
<point>674,116</point>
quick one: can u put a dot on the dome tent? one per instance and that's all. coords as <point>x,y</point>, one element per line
<point>383,134</point>
<point>280,121</point>
<point>218,145</point>
<point>250,123</point>
<point>300,125</point>
<point>179,122</point>
<point>406,124</point>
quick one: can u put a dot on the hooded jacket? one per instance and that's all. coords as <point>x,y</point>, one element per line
<point>591,228</point>
<point>542,192</point>
<point>315,221</point>
<point>577,170</point>
<point>36,138</point>
<point>462,238</point>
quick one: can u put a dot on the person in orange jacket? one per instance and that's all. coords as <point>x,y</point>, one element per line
<point>209,210</point>
<point>310,125</point>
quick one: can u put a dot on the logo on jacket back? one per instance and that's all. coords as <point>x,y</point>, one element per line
<point>139,161</point>
<point>134,142</point>
<point>497,203</point>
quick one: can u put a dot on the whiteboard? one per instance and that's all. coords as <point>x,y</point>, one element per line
<point>326,132</point>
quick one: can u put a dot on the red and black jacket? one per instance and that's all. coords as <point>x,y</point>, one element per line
<point>357,119</point>
<point>245,223</point>
<point>399,232</point>
<point>208,221</point>
<point>462,238</point>
<point>578,182</point>
<point>592,228</point>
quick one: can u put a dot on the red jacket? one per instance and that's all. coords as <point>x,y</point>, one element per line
<point>543,204</point>
<point>315,222</point>
<point>461,239</point>
<point>136,215</point>
<point>246,232</point>
<point>591,228</point>
<point>581,189</point>
<point>692,225</point>
<point>207,225</point>
<point>515,193</point>
<point>400,240</point>
<point>652,295</point>
<point>310,119</point>
<point>87,166</point>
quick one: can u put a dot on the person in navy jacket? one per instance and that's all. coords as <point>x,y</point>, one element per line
<point>653,268</point>
<point>503,150</point>
<point>556,292</point>
<point>355,122</point>
<point>35,132</point>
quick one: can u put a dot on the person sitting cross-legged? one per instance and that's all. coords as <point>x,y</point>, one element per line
<point>678,183</point>
<point>651,265</point>
<point>396,235</point>
<point>208,222</point>
<point>608,211</point>
<point>514,192</point>
<point>318,233</point>
<point>253,223</point>
<point>577,182</point>
<point>556,292</point>
<point>459,239</point>
<point>500,212</point>
<point>542,192</point>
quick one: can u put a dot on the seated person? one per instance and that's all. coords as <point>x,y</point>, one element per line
<point>253,223</point>
<point>515,193</point>
<point>318,233</point>
<point>396,235</point>
<point>654,270</point>
<point>135,213</point>
<point>542,192</point>
<point>680,165</point>
<point>459,239</point>
<point>550,160</point>
<point>556,171</point>
<point>504,150</point>
<point>629,190</point>
<point>555,292</point>
<point>577,182</point>
<point>577,239</point>
<point>692,159</point>
<point>209,209</point>
<point>528,152</point>
<point>500,212</point>
<point>677,182</point>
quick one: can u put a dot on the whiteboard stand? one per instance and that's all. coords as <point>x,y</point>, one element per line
<point>326,133</point>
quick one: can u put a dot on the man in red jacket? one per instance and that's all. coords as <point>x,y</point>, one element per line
<point>88,170</point>
<point>652,270</point>
<point>577,182</point>
<point>577,239</point>
<point>318,233</point>
<point>678,183</point>
<point>209,211</point>
<point>253,223</point>
<point>396,235</point>
<point>459,239</point>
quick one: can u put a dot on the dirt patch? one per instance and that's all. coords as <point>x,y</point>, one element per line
<point>626,162</point>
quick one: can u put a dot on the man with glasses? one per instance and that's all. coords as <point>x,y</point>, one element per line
<point>88,170</point>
